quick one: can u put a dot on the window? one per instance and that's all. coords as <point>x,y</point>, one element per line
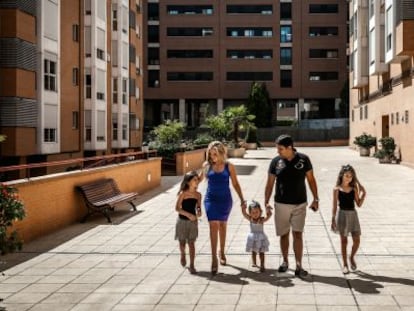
<point>406,116</point>
<point>285,34</point>
<point>366,111</point>
<point>100,84</point>
<point>189,31</point>
<point>250,54</point>
<point>50,17</point>
<point>323,53</point>
<point>189,76</point>
<point>190,9</point>
<point>125,19</point>
<point>114,126</point>
<point>323,31</point>
<point>88,125</point>
<point>132,21</point>
<point>132,87</point>
<point>323,8</point>
<point>132,55</point>
<point>124,91</point>
<point>101,11</point>
<point>125,55</point>
<point>114,58</point>
<point>75,32</point>
<point>372,46</point>
<point>154,33</point>
<point>323,76</point>
<point>115,91</point>
<point>285,10</point>
<point>250,76</point>
<point>185,53</point>
<point>153,12</point>
<point>250,9</point>
<point>133,122</point>
<point>88,39</point>
<point>371,8</point>
<point>285,78</point>
<point>75,76</point>
<point>88,7</point>
<point>49,135</point>
<point>50,75</point>
<point>125,118</point>
<point>114,17</point>
<point>286,56</point>
<point>397,118</point>
<point>249,32</point>
<point>88,84</point>
<point>101,125</point>
<point>389,26</point>
<point>75,120</point>
<point>100,44</point>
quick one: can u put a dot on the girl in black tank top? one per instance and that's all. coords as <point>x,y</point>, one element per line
<point>345,221</point>
<point>188,207</point>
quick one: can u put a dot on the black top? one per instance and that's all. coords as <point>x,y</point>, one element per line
<point>346,200</point>
<point>189,205</point>
<point>290,178</point>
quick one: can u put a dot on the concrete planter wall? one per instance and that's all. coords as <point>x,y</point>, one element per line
<point>52,202</point>
<point>184,162</point>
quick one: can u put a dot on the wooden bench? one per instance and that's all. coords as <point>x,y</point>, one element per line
<point>102,195</point>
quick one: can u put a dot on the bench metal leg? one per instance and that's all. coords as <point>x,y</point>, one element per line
<point>133,206</point>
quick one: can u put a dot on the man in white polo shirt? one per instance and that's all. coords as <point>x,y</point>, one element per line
<point>289,170</point>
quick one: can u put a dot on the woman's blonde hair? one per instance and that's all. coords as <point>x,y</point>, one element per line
<point>218,146</point>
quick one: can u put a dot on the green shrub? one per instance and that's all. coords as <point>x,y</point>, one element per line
<point>365,140</point>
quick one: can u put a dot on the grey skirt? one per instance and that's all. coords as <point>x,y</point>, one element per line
<point>186,230</point>
<point>347,222</point>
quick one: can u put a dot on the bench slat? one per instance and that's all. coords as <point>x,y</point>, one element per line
<point>102,194</point>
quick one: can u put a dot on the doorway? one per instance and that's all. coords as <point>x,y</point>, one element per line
<point>385,132</point>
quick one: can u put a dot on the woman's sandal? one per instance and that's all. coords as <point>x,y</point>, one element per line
<point>192,270</point>
<point>353,264</point>
<point>223,260</point>
<point>183,261</point>
<point>214,267</point>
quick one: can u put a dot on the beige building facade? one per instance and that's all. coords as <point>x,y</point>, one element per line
<point>382,72</point>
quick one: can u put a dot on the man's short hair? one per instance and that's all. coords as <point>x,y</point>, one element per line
<point>284,140</point>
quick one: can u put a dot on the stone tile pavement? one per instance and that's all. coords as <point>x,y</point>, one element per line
<point>134,264</point>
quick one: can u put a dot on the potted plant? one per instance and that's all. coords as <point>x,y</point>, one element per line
<point>251,138</point>
<point>386,152</point>
<point>365,142</point>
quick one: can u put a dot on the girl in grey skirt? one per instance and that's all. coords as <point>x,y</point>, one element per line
<point>347,192</point>
<point>188,207</point>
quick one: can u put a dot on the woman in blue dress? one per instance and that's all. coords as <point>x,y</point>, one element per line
<point>218,201</point>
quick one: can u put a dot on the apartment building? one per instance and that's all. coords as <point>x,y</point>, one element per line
<point>70,79</point>
<point>382,71</point>
<point>201,57</point>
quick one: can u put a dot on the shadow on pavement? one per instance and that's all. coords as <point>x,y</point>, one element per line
<point>385,279</point>
<point>242,278</point>
<point>61,236</point>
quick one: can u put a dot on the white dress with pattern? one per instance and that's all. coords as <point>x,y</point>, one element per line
<point>257,240</point>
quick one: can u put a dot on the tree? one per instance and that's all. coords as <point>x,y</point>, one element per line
<point>218,126</point>
<point>259,104</point>
<point>238,117</point>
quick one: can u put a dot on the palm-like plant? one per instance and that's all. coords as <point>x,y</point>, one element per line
<point>239,118</point>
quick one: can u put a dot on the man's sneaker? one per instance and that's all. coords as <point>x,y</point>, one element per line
<point>300,272</point>
<point>283,267</point>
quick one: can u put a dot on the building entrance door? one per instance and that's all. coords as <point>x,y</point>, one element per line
<point>385,126</point>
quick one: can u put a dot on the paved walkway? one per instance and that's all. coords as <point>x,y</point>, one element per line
<point>134,265</point>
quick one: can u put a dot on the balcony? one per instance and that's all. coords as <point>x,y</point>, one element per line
<point>404,38</point>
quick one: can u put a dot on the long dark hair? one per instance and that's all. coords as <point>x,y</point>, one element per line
<point>344,169</point>
<point>186,179</point>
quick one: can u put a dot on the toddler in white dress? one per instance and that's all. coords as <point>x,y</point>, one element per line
<point>257,241</point>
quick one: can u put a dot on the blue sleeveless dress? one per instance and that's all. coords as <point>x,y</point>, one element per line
<point>218,201</point>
